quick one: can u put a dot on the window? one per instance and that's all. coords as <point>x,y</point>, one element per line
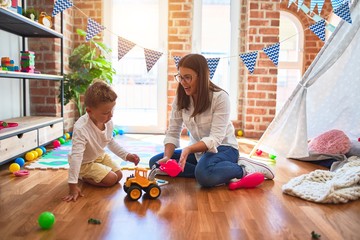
<point>215,35</point>
<point>141,105</point>
<point>290,57</point>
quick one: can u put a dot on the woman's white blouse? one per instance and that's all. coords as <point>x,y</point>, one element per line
<point>213,127</point>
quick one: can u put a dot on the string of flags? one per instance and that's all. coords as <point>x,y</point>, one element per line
<point>340,8</point>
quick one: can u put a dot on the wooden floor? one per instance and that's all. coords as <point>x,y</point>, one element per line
<point>183,211</point>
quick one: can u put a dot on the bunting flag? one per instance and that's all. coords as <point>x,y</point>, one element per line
<point>61,5</point>
<point>249,59</point>
<point>124,46</point>
<point>319,3</point>
<point>212,63</point>
<point>290,2</point>
<point>344,12</point>
<point>336,3</point>
<point>176,60</point>
<point>319,29</point>
<point>300,3</point>
<point>93,28</point>
<point>273,53</point>
<point>151,57</point>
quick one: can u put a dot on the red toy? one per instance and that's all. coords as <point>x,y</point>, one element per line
<point>258,152</point>
<point>249,181</point>
<point>171,167</point>
<point>7,125</point>
<point>56,143</point>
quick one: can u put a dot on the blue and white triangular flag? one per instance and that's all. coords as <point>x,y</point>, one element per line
<point>273,53</point>
<point>290,2</point>
<point>300,3</point>
<point>336,3</point>
<point>93,28</point>
<point>344,12</point>
<point>212,63</point>
<point>176,60</point>
<point>61,5</point>
<point>319,29</point>
<point>249,59</point>
<point>151,57</point>
<point>319,3</point>
<point>124,46</point>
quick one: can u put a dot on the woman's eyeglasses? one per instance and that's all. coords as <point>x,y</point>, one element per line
<point>186,78</point>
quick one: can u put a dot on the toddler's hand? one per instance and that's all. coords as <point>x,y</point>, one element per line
<point>133,158</point>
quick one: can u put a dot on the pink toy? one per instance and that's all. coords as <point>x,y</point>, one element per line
<point>21,173</point>
<point>330,142</point>
<point>249,181</point>
<point>171,167</point>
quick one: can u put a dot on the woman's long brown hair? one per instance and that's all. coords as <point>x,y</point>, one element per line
<point>205,87</point>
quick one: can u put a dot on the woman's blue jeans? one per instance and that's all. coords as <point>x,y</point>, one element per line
<point>212,168</point>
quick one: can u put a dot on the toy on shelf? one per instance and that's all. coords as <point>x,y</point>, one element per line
<point>8,65</point>
<point>7,125</point>
<point>45,20</point>
<point>138,182</point>
<point>27,61</point>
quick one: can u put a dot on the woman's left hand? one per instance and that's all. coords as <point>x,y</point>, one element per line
<point>133,158</point>
<point>184,154</point>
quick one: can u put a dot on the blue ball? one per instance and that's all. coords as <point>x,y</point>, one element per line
<point>20,161</point>
<point>121,132</point>
<point>114,134</point>
<point>43,149</point>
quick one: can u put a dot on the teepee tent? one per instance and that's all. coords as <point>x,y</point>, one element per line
<point>326,98</point>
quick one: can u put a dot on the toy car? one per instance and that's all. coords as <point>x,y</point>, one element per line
<point>138,182</point>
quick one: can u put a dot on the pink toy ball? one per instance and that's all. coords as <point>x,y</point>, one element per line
<point>56,143</point>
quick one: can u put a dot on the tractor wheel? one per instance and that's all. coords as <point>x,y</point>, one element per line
<point>125,188</point>
<point>134,192</point>
<point>153,191</point>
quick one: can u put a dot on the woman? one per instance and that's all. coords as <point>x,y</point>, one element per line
<point>204,108</point>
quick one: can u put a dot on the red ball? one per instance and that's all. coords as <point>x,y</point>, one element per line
<point>358,139</point>
<point>56,144</point>
<point>258,152</point>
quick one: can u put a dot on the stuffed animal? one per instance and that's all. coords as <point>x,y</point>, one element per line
<point>331,142</point>
<point>5,3</point>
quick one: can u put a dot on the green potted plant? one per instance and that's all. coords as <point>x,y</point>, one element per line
<point>87,63</point>
<point>31,13</point>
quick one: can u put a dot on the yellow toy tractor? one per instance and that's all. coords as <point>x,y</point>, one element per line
<point>136,183</point>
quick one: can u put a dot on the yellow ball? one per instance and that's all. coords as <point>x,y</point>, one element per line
<point>35,154</point>
<point>240,133</point>
<point>39,151</point>
<point>29,156</point>
<point>14,167</point>
<point>67,135</point>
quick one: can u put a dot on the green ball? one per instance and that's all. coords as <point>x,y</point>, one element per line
<point>61,140</point>
<point>46,220</point>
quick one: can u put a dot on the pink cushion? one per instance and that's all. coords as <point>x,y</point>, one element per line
<point>331,142</point>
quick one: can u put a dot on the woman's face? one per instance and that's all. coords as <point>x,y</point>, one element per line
<point>188,81</point>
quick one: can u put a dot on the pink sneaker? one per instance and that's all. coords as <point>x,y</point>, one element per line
<point>249,181</point>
